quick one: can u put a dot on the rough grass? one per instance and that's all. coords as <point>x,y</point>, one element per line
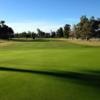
<point>49,70</point>
<point>92,42</point>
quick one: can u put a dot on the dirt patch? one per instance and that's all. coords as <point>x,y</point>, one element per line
<point>5,43</point>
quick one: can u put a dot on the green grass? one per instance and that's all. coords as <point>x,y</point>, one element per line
<point>49,70</point>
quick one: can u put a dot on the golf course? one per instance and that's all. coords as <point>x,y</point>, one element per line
<point>49,69</point>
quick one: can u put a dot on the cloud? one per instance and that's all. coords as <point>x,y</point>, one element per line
<point>32,26</point>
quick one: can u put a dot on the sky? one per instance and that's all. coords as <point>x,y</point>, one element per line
<point>28,15</point>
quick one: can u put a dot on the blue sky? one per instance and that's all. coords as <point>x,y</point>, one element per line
<point>28,15</point>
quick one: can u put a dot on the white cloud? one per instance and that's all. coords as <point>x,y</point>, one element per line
<point>32,26</point>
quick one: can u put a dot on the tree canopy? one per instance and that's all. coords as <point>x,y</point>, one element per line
<point>87,28</point>
<point>6,32</point>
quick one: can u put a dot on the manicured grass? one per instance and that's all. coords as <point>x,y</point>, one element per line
<point>49,70</point>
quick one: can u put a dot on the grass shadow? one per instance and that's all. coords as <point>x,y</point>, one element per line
<point>90,79</point>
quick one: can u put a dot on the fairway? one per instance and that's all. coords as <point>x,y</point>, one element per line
<point>49,69</point>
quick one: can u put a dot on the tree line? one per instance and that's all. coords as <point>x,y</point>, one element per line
<point>60,33</point>
<point>87,28</point>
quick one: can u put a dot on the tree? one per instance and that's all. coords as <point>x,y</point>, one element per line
<point>53,34</point>
<point>77,30</point>
<point>84,28</point>
<point>97,31</point>
<point>28,34</point>
<point>66,30</point>
<point>94,26</point>
<point>2,22</point>
<point>41,34</point>
<point>5,31</point>
<point>10,32</point>
<point>47,35</point>
<point>33,35</point>
<point>60,32</point>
